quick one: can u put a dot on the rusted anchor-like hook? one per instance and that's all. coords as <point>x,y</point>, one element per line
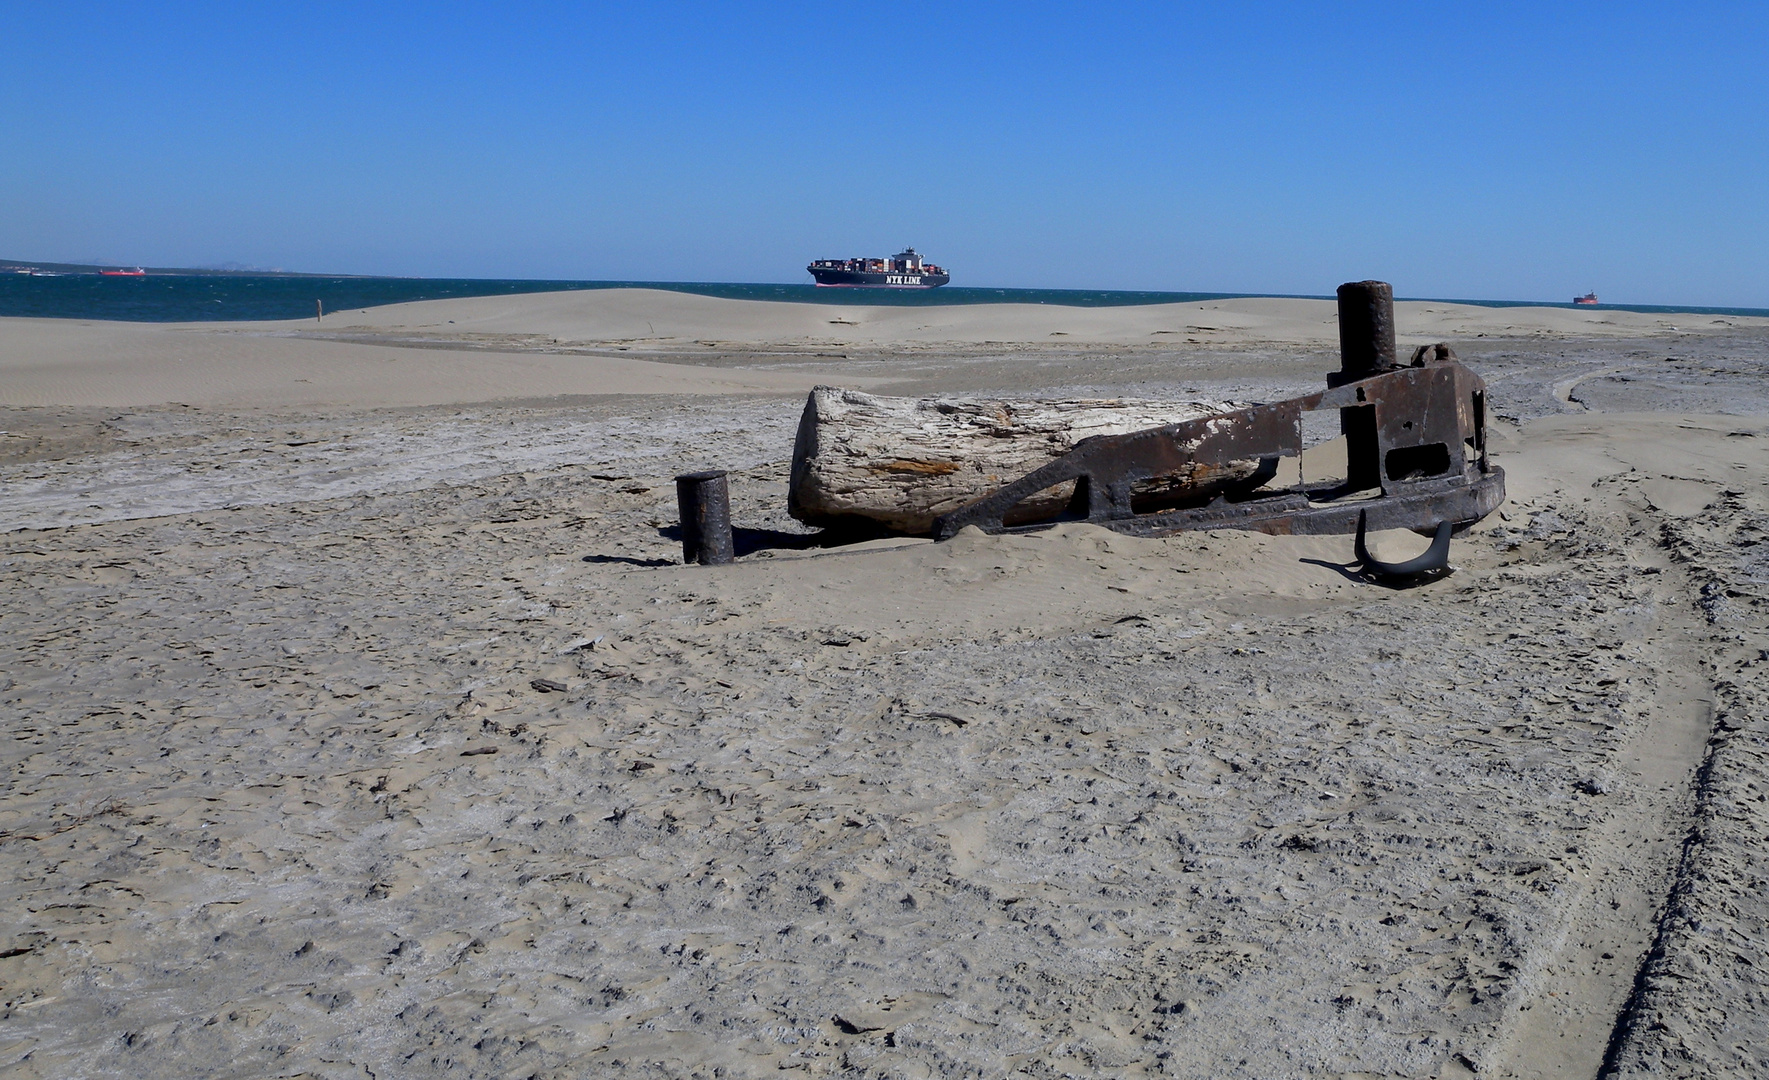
<point>1435,559</point>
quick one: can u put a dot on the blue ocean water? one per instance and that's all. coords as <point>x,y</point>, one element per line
<point>212,298</point>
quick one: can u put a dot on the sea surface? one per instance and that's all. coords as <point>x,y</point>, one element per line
<point>213,298</point>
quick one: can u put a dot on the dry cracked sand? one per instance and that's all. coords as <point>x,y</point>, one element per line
<point>290,790</point>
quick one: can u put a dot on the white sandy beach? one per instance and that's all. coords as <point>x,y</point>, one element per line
<point>283,797</point>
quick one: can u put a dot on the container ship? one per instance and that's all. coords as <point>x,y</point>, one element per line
<point>904,270</point>
<point>1588,298</point>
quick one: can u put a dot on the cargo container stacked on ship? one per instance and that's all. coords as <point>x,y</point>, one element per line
<point>904,270</point>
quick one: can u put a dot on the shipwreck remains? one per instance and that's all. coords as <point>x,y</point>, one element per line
<point>1415,451</point>
<point>862,461</point>
<point>1412,454</point>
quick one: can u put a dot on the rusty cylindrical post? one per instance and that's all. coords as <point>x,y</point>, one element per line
<point>1366,329</point>
<point>1366,347</point>
<point>705,505</point>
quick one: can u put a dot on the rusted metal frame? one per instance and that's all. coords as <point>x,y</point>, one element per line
<point>1411,408</point>
<point>1106,467</point>
<point>1459,502</point>
<point>1429,410</point>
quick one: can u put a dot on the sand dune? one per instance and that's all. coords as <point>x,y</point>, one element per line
<point>62,362</point>
<point>546,344</point>
<point>660,317</point>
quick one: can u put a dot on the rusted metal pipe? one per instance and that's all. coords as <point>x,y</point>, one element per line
<point>1366,330</point>
<point>1366,348</point>
<point>705,505</point>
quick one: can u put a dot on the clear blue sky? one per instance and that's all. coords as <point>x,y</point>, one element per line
<point>1481,150</point>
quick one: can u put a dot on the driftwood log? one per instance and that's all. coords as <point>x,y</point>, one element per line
<point>867,461</point>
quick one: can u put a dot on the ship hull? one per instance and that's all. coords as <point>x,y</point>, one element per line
<point>867,279</point>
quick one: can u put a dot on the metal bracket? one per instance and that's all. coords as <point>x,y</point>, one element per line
<point>1435,559</point>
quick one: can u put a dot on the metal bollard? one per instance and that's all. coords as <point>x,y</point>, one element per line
<point>705,505</point>
<point>1366,347</point>
<point>1366,329</point>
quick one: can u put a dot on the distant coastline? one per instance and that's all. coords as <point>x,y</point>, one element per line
<point>181,294</point>
<point>14,266</point>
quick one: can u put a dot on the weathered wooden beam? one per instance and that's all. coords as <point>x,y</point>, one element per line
<point>865,460</point>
